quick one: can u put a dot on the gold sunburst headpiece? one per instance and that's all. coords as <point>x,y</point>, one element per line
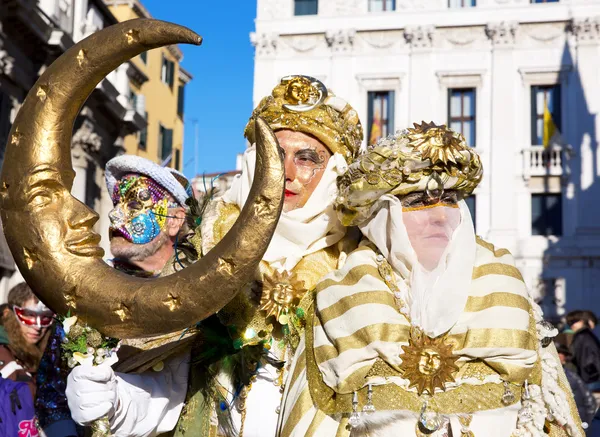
<point>405,163</point>
<point>281,294</point>
<point>436,143</point>
<point>427,363</point>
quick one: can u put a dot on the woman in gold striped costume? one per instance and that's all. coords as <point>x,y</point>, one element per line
<point>427,330</point>
<point>319,133</point>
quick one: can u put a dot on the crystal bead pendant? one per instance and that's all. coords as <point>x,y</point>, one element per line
<point>369,407</point>
<point>354,420</point>
<point>429,420</point>
<point>508,397</point>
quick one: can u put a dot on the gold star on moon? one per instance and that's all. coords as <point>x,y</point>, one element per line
<point>132,36</point>
<point>82,57</point>
<point>172,302</point>
<point>16,137</point>
<point>262,206</point>
<point>225,266</point>
<point>122,312</point>
<point>42,92</point>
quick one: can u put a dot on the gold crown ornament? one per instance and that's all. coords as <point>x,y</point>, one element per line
<point>304,104</point>
<point>425,157</point>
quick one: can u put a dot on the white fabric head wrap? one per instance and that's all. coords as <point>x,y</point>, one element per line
<point>303,230</point>
<point>435,298</point>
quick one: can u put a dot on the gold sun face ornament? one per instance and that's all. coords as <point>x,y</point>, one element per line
<point>281,295</point>
<point>428,363</point>
<point>437,143</point>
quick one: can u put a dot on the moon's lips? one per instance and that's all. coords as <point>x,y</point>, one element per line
<point>50,233</point>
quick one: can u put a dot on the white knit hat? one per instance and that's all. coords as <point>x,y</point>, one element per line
<point>172,180</point>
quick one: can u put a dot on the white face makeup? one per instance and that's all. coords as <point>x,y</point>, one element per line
<point>429,225</point>
<point>305,161</point>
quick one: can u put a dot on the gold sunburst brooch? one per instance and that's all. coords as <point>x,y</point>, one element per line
<point>427,363</point>
<point>281,294</point>
<point>436,143</point>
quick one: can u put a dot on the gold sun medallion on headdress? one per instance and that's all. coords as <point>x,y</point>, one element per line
<point>436,143</point>
<point>281,295</point>
<point>428,363</point>
<point>300,91</point>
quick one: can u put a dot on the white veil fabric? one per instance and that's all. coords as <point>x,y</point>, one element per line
<point>301,231</point>
<point>435,298</point>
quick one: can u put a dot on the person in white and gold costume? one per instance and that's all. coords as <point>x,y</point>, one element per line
<point>427,330</point>
<point>318,133</point>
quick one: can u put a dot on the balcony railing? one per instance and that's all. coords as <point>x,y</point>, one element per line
<point>541,161</point>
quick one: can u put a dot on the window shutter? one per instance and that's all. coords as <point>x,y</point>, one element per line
<point>171,73</point>
<point>167,143</point>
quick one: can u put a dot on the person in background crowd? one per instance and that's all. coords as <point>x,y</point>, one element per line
<point>585,347</point>
<point>147,225</point>
<point>23,335</point>
<point>586,403</point>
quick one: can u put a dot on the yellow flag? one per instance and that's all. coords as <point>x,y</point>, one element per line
<point>550,129</point>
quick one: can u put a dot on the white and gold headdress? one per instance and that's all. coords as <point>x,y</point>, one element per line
<point>425,157</point>
<point>304,104</point>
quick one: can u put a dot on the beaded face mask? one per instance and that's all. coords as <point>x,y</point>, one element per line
<point>141,207</point>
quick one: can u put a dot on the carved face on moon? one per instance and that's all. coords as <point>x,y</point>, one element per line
<point>53,217</point>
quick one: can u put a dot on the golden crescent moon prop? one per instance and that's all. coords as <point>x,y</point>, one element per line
<point>319,86</point>
<point>50,233</point>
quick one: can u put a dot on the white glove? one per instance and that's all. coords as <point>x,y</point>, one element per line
<point>91,393</point>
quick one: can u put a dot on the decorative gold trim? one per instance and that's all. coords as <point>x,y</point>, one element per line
<point>497,269</point>
<point>435,205</point>
<point>496,299</point>
<point>463,399</point>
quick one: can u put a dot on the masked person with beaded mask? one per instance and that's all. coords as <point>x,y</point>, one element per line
<point>149,237</point>
<point>237,362</point>
<point>427,330</point>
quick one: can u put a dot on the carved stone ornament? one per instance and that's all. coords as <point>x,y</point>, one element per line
<point>340,41</point>
<point>419,37</point>
<point>462,36</point>
<point>381,39</point>
<point>7,63</point>
<point>545,32</point>
<point>86,139</point>
<point>303,43</point>
<point>502,33</point>
<point>264,43</point>
<point>586,29</point>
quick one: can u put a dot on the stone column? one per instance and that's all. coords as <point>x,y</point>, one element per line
<point>265,51</point>
<point>341,45</point>
<point>421,81</point>
<point>504,145</point>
